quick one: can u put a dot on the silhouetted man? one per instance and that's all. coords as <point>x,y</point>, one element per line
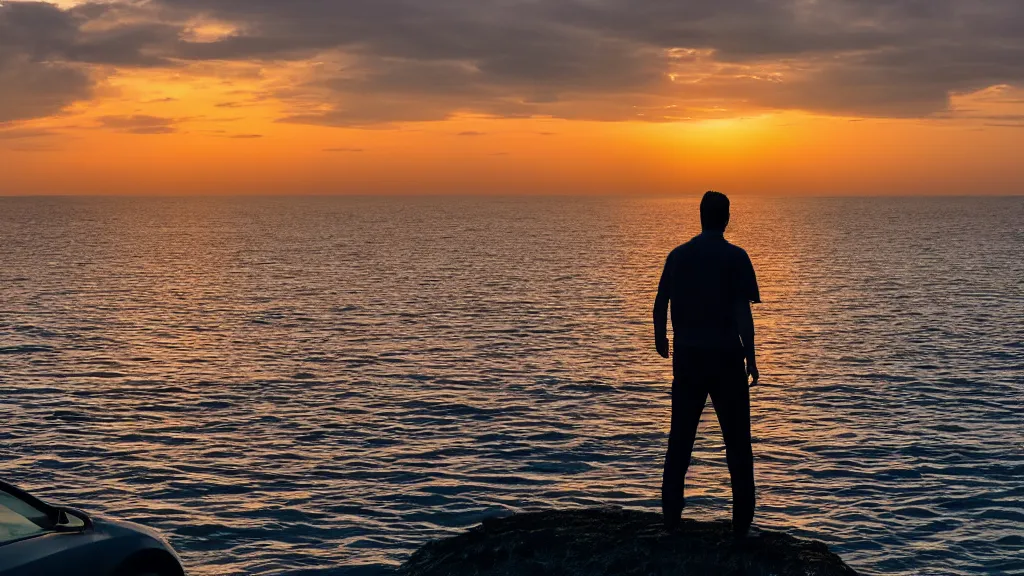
<point>711,284</point>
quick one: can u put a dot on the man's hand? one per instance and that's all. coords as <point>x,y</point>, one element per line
<point>662,345</point>
<point>752,372</point>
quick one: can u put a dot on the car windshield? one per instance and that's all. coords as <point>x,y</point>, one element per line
<point>19,519</point>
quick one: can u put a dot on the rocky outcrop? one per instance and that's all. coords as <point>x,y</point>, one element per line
<point>610,541</point>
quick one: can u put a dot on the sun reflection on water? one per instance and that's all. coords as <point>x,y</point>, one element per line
<point>292,383</point>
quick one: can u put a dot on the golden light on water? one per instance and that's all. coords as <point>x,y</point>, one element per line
<point>371,373</point>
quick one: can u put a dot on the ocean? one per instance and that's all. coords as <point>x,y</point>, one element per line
<point>321,385</point>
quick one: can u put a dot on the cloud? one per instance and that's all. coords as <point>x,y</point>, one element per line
<point>246,136</point>
<point>35,148</point>
<point>32,89</point>
<point>26,133</point>
<point>599,59</point>
<point>47,53</point>
<point>471,133</point>
<point>376,62</point>
<point>110,33</point>
<point>140,124</point>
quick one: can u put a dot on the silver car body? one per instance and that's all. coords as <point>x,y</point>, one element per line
<point>75,543</point>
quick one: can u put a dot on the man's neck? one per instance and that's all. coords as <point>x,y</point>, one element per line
<point>709,233</point>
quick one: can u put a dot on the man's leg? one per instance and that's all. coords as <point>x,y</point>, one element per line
<point>688,398</point>
<point>731,397</point>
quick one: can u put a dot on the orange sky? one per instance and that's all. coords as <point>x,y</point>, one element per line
<point>76,120</point>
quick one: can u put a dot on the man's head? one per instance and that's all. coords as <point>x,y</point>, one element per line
<point>714,211</point>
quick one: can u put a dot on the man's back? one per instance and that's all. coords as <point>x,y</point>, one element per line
<point>704,279</point>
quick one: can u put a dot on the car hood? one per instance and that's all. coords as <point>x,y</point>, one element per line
<point>122,528</point>
<point>99,549</point>
<point>142,537</point>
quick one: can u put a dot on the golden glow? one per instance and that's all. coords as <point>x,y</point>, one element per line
<point>208,31</point>
<point>216,128</point>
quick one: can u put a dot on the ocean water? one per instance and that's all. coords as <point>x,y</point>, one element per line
<point>320,385</point>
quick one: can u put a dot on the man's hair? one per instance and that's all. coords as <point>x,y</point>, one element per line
<point>714,211</point>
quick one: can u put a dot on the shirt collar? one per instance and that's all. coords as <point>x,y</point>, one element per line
<point>713,234</point>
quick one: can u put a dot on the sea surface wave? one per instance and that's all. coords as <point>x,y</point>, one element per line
<point>321,385</point>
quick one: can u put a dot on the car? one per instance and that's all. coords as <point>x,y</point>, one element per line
<point>38,539</point>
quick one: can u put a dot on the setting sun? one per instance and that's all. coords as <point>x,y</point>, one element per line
<point>190,97</point>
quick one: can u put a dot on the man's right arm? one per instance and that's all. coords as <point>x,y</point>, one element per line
<point>745,319</point>
<point>661,312</point>
<point>747,293</point>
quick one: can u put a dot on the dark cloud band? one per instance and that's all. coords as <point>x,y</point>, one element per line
<point>407,60</point>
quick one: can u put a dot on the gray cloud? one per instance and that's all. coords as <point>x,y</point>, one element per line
<point>30,89</point>
<point>32,82</point>
<point>408,60</point>
<point>35,148</point>
<point>25,133</point>
<point>46,53</point>
<point>116,33</point>
<point>871,57</point>
<point>140,124</point>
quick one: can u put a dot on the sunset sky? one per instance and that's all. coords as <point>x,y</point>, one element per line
<point>512,96</point>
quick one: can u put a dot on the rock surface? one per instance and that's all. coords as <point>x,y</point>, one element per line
<point>615,541</point>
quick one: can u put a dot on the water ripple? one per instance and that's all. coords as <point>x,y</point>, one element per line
<point>308,386</point>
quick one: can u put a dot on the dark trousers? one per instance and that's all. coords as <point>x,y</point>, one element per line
<point>722,374</point>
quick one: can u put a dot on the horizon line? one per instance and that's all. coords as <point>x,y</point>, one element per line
<point>484,195</point>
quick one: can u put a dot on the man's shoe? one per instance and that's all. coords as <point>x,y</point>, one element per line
<point>741,521</point>
<point>671,512</point>
<point>745,531</point>
<point>672,518</point>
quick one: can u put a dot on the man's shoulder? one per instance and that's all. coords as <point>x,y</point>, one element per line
<point>685,247</point>
<point>736,251</point>
<point>698,247</point>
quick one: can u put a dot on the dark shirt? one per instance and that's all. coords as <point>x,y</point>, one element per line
<point>705,279</point>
